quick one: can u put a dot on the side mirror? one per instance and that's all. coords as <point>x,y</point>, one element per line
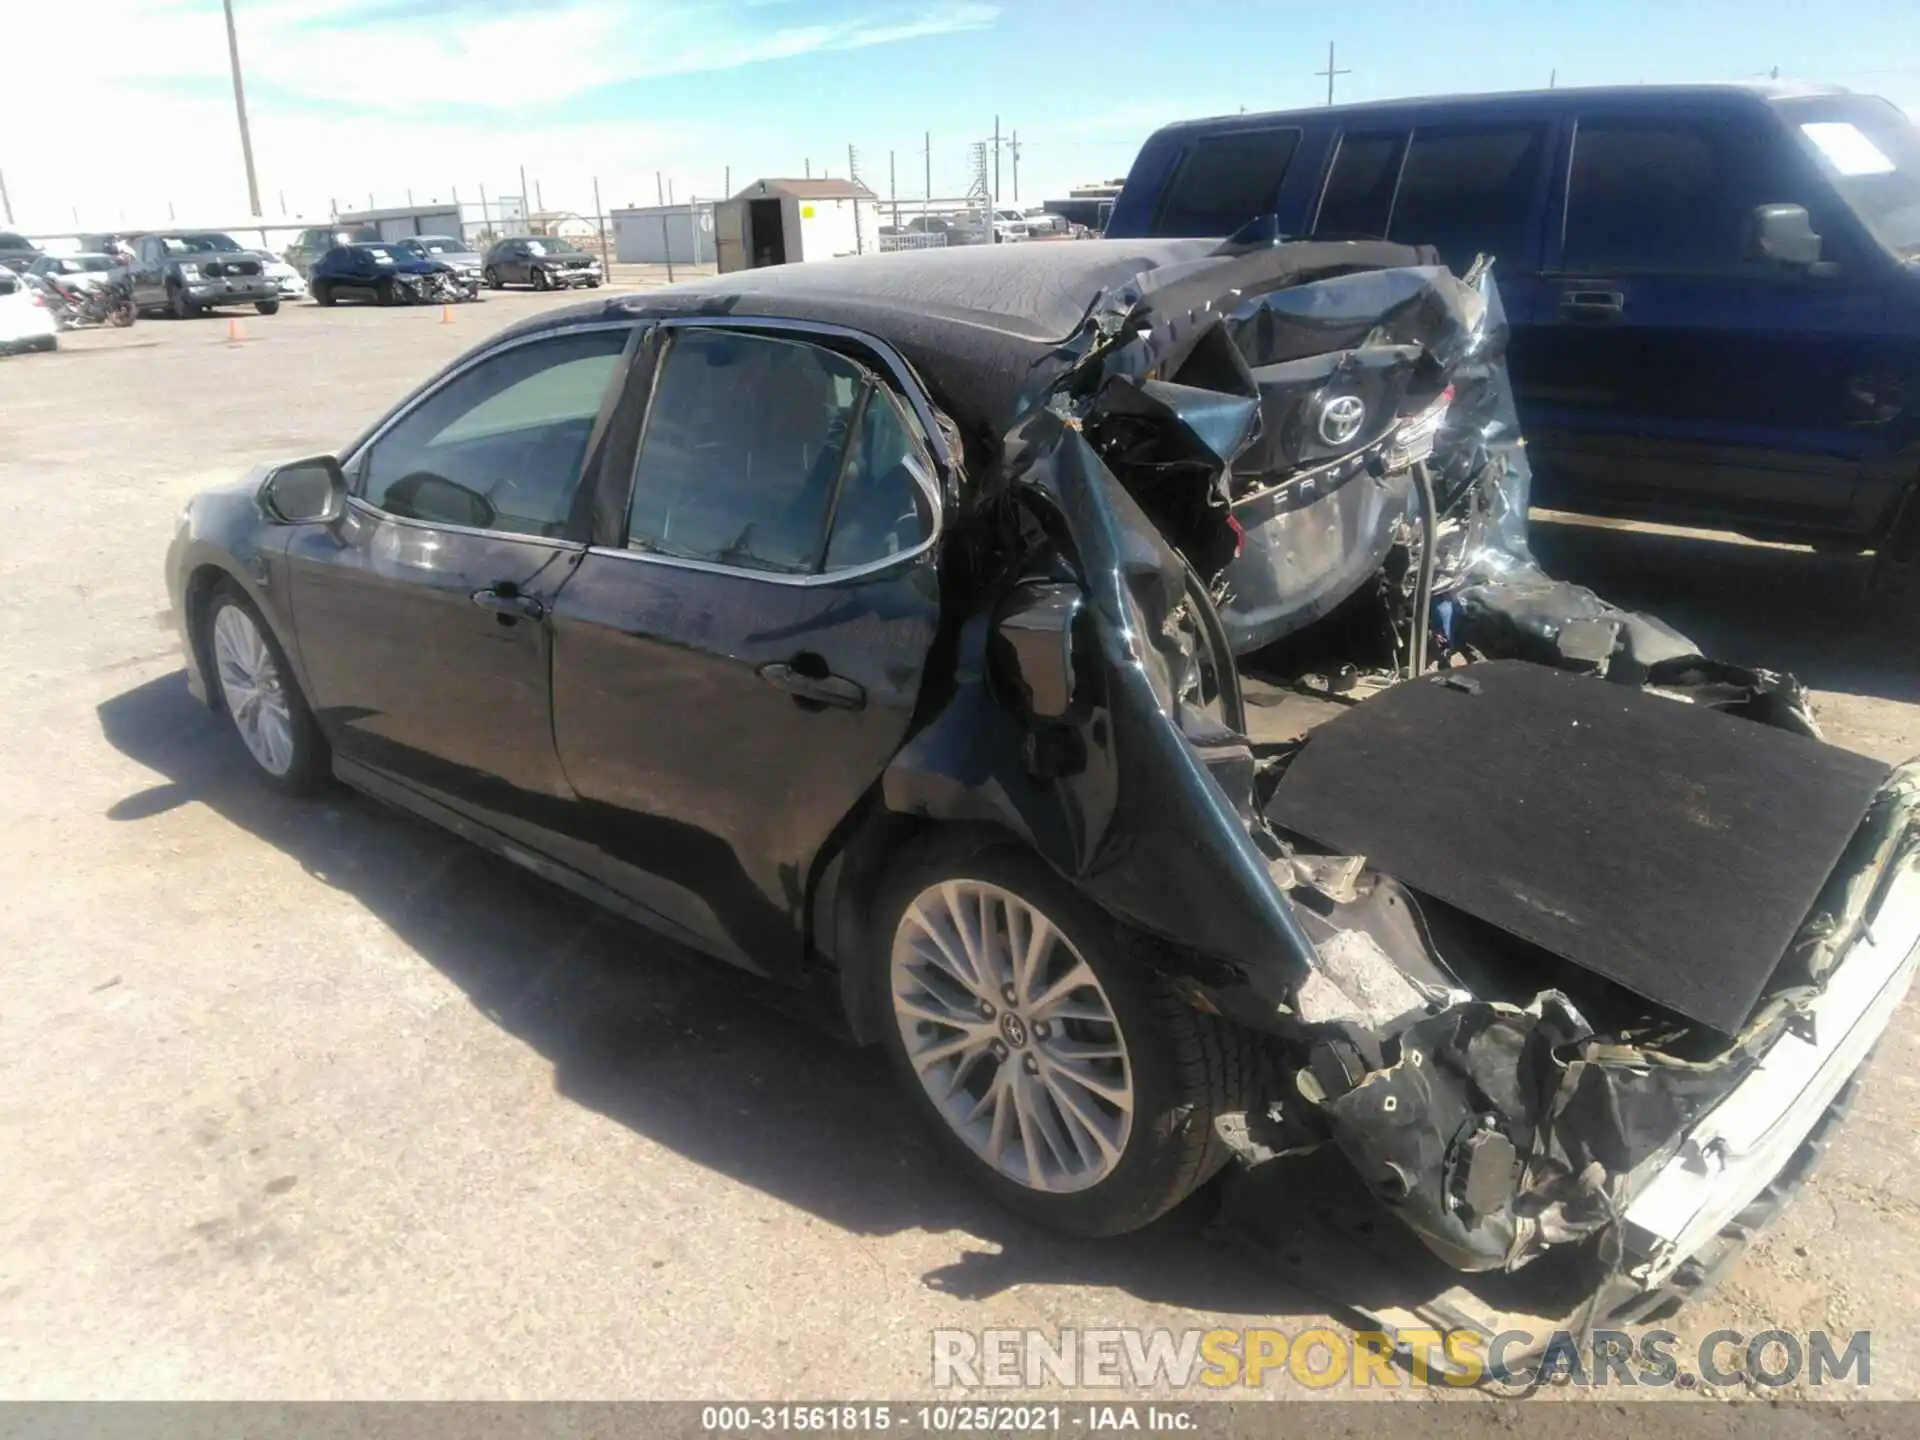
<point>1784,233</point>
<point>305,492</point>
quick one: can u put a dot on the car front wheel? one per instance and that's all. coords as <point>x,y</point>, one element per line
<point>181,307</point>
<point>321,291</point>
<point>1059,1072</point>
<point>541,280</point>
<point>261,697</point>
<point>267,307</point>
<point>492,278</point>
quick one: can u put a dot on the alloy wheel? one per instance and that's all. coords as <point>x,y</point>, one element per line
<point>251,685</point>
<point>1012,1036</point>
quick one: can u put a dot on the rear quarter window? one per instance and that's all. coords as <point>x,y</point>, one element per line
<point>1223,181</point>
<point>1470,191</point>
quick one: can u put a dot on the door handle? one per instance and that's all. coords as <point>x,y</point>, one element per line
<point>1593,304</point>
<point>832,690</point>
<point>508,603</point>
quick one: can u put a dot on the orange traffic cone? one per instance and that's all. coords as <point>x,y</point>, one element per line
<point>235,335</point>
<point>446,314</point>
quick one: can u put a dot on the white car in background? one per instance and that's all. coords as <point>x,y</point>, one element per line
<point>1009,223</point>
<point>292,287</point>
<point>25,321</point>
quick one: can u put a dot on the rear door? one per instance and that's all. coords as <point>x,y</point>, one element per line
<point>737,663</point>
<point>1675,371</point>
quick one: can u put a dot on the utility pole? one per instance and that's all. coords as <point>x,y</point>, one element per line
<point>853,178</point>
<point>996,160</point>
<point>928,153</point>
<point>809,164</point>
<point>6,205</point>
<point>726,185</point>
<point>1553,78</point>
<point>659,189</point>
<point>600,224</point>
<point>893,190</point>
<point>524,216</point>
<point>240,108</point>
<point>1015,149</point>
<point>539,200</point>
<point>1330,72</point>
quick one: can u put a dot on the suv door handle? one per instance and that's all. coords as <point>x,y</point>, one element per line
<point>508,603</point>
<point>1593,304</point>
<point>832,690</point>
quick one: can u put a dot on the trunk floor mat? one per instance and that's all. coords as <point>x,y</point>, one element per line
<point>1671,849</point>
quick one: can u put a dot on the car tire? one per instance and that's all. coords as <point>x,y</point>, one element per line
<point>178,305</point>
<point>1119,1078</point>
<point>322,292</point>
<point>593,285</point>
<point>492,277</point>
<point>259,694</point>
<point>267,307</point>
<point>46,344</point>
<point>390,294</point>
<point>541,280</point>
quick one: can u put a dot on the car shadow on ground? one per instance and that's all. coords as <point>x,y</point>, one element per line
<point>1766,605</point>
<point>684,1051</point>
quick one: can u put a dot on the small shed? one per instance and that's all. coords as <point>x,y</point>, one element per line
<point>778,221</point>
<point>653,234</point>
<point>563,224</point>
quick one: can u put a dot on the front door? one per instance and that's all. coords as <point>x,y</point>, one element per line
<point>733,673</point>
<point>423,618</point>
<point>149,277</point>
<point>1672,369</point>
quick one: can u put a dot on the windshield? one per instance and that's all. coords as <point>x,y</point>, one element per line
<point>80,264</point>
<point>435,245</point>
<point>547,245</point>
<point>1870,150</point>
<point>198,244</point>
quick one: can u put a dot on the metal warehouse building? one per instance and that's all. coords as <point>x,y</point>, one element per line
<point>658,234</point>
<point>470,220</point>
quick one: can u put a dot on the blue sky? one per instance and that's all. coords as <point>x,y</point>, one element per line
<point>354,99</point>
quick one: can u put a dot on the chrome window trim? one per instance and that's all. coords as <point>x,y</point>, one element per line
<point>374,512</point>
<point>909,390</point>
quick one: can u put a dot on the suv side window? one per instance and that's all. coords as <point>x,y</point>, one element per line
<point>1359,194</point>
<point>1226,180</point>
<point>745,461</point>
<point>500,446</point>
<point>1470,190</point>
<point>1674,193</point>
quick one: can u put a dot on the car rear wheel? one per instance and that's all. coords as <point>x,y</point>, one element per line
<point>267,307</point>
<point>1059,1073</point>
<point>260,696</point>
<point>321,291</point>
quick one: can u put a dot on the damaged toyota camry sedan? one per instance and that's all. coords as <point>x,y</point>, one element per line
<point>1111,677</point>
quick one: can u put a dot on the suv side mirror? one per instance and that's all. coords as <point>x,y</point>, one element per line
<point>305,492</point>
<point>1785,233</point>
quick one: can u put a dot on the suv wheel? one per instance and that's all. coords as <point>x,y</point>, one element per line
<point>1058,1071</point>
<point>178,305</point>
<point>267,307</point>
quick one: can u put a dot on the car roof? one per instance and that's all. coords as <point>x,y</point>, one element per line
<point>982,325</point>
<point>1518,101</point>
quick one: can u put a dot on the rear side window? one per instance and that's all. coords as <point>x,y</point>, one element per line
<point>1668,194</point>
<point>764,453</point>
<point>11,241</point>
<point>1226,180</point>
<point>1470,191</point>
<point>1359,194</point>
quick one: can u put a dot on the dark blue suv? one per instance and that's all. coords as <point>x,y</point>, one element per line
<point>1714,290</point>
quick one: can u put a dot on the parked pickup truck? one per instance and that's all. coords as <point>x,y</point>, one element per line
<point>186,272</point>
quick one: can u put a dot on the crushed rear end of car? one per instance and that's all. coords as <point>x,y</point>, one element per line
<point>1560,933</point>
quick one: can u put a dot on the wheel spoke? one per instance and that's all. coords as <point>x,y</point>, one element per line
<point>1116,1092</point>
<point>1030,951</point>
<point>1023,1108</point>
<point>1047,1004</point>
<point>940,951</point>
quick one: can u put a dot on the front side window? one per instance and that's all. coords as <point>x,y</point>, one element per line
<point>754,443</point>
<point>1470,191</point>
<point>1660,194</point>
<point>1870,152</point>
<point>1226,180</point>
<point>502,445</point>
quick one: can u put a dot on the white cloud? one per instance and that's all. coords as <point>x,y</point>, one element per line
<point>348,96</point>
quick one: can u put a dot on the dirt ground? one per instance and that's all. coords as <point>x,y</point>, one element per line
<point>310,1100</point>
